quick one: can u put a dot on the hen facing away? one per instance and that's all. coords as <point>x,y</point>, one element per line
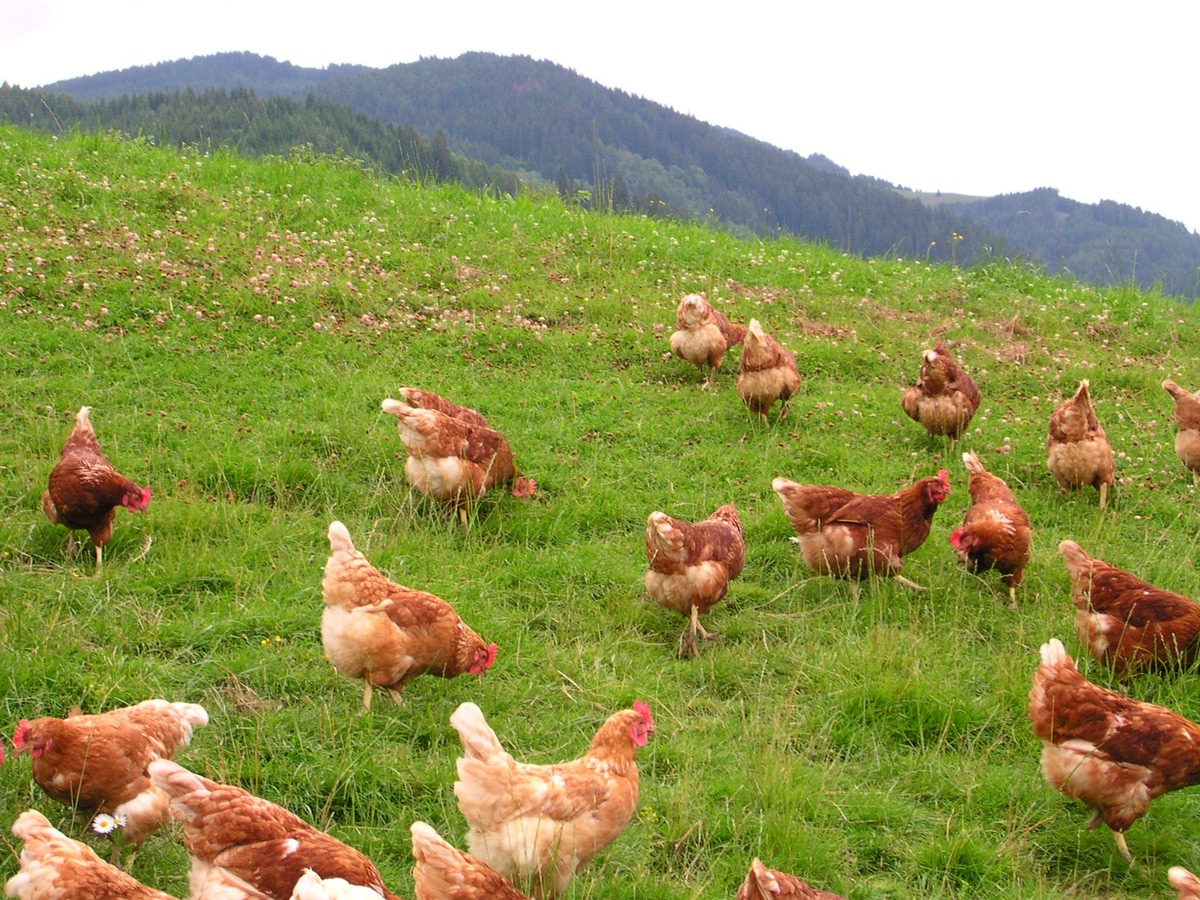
<point>945,397</point>
<point>767,884</point>
<point>1187,884</point>
<point>97,763</point>
<point>703,334</point>
<point>55,867</point>
<point>995,533</point>
<point>245,847</point>
<point>453,461</point>
<point>1126,623</point>
<point>1114,753</point>
<point>1187,419</point>
<point>768,373</point>
<point>541,823</point>
<point>843,534</point>
<point>387,634</point>
<point>691,565</point>
<point>1077,452</point>
<point>442,872</point>
<point>85,490</point>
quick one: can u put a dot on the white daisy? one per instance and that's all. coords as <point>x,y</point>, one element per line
<point>104,823</point>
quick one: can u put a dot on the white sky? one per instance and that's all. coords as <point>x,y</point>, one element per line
<point>1096,99</point>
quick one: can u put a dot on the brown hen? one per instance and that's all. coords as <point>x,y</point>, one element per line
<point>1126,623</point>
<point>703,334</point>
<point>691,565</point>
<point>1187,419</point>
<point>1114,753</point>
<point>387,634</point>
<point>768,373</point>
<point>945,397</point>
<point>85,490</point>
<point>995,533</point>
<point>1077,452</point>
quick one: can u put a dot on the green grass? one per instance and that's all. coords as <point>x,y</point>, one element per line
<point>234,324</point>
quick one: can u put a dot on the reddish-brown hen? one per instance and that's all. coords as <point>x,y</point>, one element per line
<point>995,532</point>
<point>442,872</point>
<point>703,334</point>
<point>1187,418</point>
<point>1126,623</point>
<point>767,884</point>
<point>768,373</point>
<point>847,535</point>
<point>1185,882</point>
<point>1114,753</point>
<point>387,634</point>
<point>691,565</point>
<point>945,398</point>
<point>453,461</point>
<point>241,842</point>
<point>85,490</point>
<point>97,763</point>
<point>55,867</point>
<point>1077,452</point>
<point>541,823</point>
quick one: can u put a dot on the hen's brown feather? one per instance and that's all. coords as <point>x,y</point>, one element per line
<point>767,884</point>
<point>442,872</point>
<point>995,533</point>
<point>430,400</point>
<point>945,397</point>
<point>768,373</point>
<point>1077,451</point>
<point>1127,623</point>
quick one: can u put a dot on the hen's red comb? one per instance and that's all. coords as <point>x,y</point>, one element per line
<point>943,476</point>
<point>644,711</point>
<point>19,736</point>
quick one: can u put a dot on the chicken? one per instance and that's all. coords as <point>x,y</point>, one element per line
<point>312,886</point>
<point>85,490</point>
<point>1126,623</point>
<point>1077,452</point>
<point>703,334</point>
<point>55,867</point>
<point>766,884</point>
<point>995,532</point>
<point>245,847</point>
<point>385,634</point>
<point>1185,882</point>
<point>542,823</point>
<point>453,461</point>
<point>442,872</point>
<point>945,398</point>
<point>97,763</point>
<point>691,565</point>
<point>1114,753</point>
<point>1187,418</point>
<point>847,535</point>
<point>768,373</point>
<point>429,400</point>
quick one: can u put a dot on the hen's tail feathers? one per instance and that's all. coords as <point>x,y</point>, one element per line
<point>478,739</point>
<point>1184,881</point>
<point>31,825</point>
<point>175,780</point>
<point>1054,654</point>
<point>312,886</point>
<point>339,538</point>
<point>1074,555</point>
<point>971,461</point>
<point>395,408</point>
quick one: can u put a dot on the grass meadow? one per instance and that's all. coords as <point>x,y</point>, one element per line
<point>235,323</point>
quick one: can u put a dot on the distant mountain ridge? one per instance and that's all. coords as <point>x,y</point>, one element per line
<point>545,122</point>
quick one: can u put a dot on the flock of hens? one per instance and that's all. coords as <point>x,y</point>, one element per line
<point>537,825</point>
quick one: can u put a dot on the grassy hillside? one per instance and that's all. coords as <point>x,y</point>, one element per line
<point>234,325</point>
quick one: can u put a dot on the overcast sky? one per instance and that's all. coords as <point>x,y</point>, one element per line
<point>1095,99</point>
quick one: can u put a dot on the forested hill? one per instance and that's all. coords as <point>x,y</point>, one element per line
<point>606,147</point>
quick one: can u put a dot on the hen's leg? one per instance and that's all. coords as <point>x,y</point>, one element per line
<point>1103,495</point>
<point>1122,846</point>
<point>367,692</point>
<point>1012,597</point>
<point>909,584</point>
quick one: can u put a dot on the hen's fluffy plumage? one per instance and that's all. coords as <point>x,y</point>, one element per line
<point>703,334</point>
<point>85,490</point>
<point>995,533</point>
<point>767,884</point>
<point>97,763</point>
<point>442,872</point>
<point>453,461</point>
<point>245,847</point>
<point>387,634</point>
<point>429,400</point>
<point>691,565</point>
<point>1114,753</point>
<point>945,397</point>
<point>1185,882</point>
<point>1187,419</point>
<point>1077,452</point>
<point>1126,623</point>
<point>542,823</point>
<point>768,373</point>
<point>55,867</point>
<point>848,535</point>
